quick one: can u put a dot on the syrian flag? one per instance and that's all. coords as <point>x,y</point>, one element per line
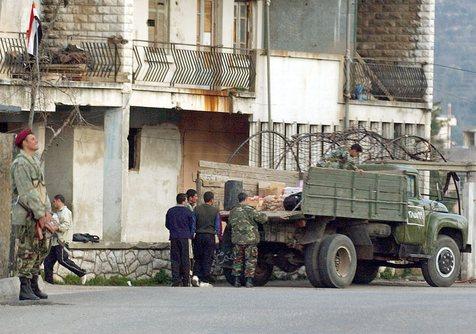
<point>34,33</point>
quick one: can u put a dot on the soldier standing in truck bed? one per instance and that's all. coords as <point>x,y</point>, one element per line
<point>245,238</point>
<point>341,158</point>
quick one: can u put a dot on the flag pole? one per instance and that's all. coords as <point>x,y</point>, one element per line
<point>35,83</point>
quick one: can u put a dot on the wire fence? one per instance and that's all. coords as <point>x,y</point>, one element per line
<point>272,149</point>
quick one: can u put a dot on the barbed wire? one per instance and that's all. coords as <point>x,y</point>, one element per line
<point>270,149</point>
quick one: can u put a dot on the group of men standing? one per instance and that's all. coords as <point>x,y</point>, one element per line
<point>201,224</point>
<point>193,227</point>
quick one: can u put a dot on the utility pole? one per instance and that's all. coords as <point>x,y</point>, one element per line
<point>348,63</point>
<point>268,84</point>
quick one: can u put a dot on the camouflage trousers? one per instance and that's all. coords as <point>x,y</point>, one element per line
<point>245,256</point>
<point>30,252</point>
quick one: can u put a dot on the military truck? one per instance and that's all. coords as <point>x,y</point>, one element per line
<point>351,223</point>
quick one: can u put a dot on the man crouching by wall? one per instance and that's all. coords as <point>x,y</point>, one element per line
<point>245,238</point>
<point>181,224</point>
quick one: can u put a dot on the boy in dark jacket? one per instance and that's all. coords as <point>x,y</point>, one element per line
<point>181,225</point>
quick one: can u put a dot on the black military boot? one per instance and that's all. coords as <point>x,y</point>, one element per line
<point>36,289</point>
<point>237,282</point>
<point>249,282</point>
<point>25,290</point>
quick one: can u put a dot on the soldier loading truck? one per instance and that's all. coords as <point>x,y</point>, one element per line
<point>351,223</point>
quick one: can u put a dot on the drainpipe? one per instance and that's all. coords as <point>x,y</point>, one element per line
<point>348,63</point>
<point>268,84</point>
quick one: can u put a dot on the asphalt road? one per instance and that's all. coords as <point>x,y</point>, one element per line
<point>280,308</point>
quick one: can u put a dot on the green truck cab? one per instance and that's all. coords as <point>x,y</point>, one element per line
<point>351,223</point>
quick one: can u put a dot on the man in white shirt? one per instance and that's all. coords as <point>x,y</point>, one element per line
<point>57,253</point>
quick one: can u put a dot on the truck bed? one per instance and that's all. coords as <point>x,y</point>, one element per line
<point>353,195</point>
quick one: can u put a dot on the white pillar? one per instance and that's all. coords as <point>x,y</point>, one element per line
<point>468,270</point>
<point>116,163</point>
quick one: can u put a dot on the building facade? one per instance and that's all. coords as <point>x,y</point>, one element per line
<point>163,84</point>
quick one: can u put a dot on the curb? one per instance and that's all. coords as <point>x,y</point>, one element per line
<point>9,289</point>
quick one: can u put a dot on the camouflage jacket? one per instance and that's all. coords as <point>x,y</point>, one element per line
<point>244,221</point>
<point>29,191</point>
<point>340,159</point>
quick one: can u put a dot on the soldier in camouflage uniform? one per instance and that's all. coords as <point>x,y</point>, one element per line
<point>341,158</point>
<point>245,238</point>
<point>31,215</point>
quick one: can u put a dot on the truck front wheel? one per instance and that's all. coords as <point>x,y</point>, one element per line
<point>337,261</point>
<point>442,269</point>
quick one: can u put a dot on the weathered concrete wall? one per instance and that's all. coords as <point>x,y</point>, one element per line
<point>88,162</point>
<point>183,21</point>
<point>6,157</point>
<point>305,88</point>
<point>395,112</point>
<point>210,137</point>
<point>14,15</point>
<point>59,165</point>
<point>152,188</point>
<point>309,25</point>
<point>141,14</point>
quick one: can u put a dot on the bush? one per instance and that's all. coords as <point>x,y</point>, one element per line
<point>160,278</point>
<point>387,274</point>
<point>72,280</point>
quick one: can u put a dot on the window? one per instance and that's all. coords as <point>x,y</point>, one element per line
<point>411,193</point>
<point>397,130</point>
<point>158,21</point>
<point>134,148</point>
<point>386,130</point>
<point>241,31</point>
<point>205,22</point>
<point>3,127</point>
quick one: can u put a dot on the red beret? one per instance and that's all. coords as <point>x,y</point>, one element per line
<point>21,136</point>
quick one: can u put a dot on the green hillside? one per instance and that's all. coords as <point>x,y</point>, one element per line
<point>456,46</point>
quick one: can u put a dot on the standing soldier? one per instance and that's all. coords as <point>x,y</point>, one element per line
<point>245,238</point>
<point>341,158</point>
<point>31,215</point>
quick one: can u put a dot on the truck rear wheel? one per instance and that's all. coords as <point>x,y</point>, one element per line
<point>366,272</point>
<point>311,263</point>
<point>442,269</point>
<point>337,261</point>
